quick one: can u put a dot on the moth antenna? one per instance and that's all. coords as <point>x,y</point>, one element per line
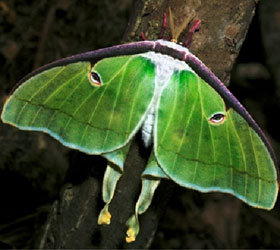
<point>176,32</point>
<point>192,30</point>
<point>171,21</point>
<point>183,25</point>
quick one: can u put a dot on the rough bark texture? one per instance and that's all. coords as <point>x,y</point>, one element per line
<point>223,28</point>
<point>270,25</point>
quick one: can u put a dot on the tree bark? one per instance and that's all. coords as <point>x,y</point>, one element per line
<point>270,26</point>
<point>72,222</point>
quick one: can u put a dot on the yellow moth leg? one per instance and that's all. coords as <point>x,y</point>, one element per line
<point>110,181</point>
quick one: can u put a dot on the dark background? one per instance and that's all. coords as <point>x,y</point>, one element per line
<point>33,165</point>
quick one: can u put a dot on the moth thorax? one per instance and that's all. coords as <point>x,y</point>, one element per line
<point>164,70</point>
<point>165,66</point>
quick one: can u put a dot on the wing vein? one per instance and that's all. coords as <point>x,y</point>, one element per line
<point>257,163</point>
<point>134,102</point>
<point>243,157</point>
<point>37,92</point>
<point>230,154</point>
<point>114,106</point>
<point>65,99</point>
<point>199,138</point>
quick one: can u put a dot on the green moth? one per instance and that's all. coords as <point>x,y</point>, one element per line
<point>201,136</point>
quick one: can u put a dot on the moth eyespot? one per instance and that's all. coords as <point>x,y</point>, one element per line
<point>217,118</point>
<point>95,79</point>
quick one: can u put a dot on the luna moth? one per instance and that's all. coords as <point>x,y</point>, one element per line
<point>201,137</point>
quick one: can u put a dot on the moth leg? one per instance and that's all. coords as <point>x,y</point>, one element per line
<point>150,180</point>
<point>110,180</point>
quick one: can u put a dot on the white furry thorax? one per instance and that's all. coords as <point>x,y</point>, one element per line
<point>165,67</point>
<point>174,46</point>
